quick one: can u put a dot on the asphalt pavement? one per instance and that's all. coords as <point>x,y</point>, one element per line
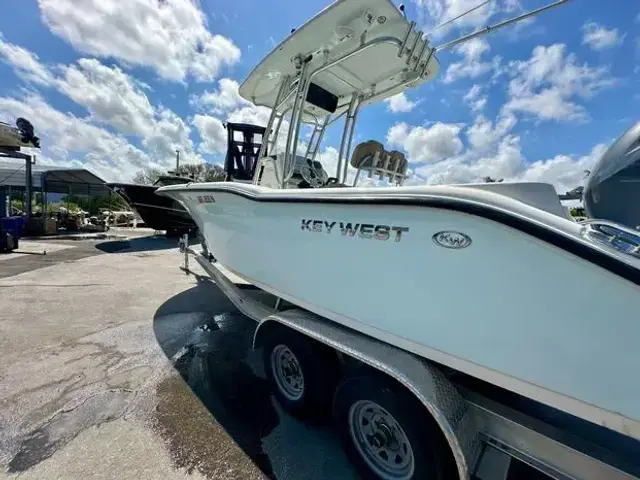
<point>116,364</point>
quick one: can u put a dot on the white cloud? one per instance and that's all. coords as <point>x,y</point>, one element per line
<point>483,134</point>
<point>225,98</point>
<point>475,99</point>
<point>549,104</point>
<point>504,162</point>
<point>563,171</point>
<point>599,37</point>
<point>212,132</point>
<point>170,133</point>
<point>254,115</point>
<point>494,151</point>
<point>169,36</point>
<point>110,95</point>
<point>225,102</point>
<point>112,98</point>
<point>549,84</point>
<point>472,65</point>
<point>474,48</point>
<point>400,103</point>
<point>329,159</point>
<point>74,141</point>
<point>426,144</point>
<point>116,99</point>
<point>435,12</point>
<point>26,64</point>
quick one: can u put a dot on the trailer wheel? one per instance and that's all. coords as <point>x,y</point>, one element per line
<point>387,433</point>
<point>302,372</point>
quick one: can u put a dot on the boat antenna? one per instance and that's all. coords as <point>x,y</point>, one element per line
<point>177,160</point>
<point>490,28</point>
<point>459,16</point>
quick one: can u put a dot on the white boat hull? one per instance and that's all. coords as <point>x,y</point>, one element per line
<point>511,308</point>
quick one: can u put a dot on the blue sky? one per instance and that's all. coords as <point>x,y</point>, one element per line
<point>116,86</point>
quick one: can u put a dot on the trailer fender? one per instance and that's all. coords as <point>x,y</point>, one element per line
<point>424,380</point>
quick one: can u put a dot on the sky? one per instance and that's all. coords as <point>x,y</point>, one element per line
<point>117,86</point>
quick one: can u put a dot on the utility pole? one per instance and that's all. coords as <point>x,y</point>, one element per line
<point>28,184</point>
<point>177,161</point>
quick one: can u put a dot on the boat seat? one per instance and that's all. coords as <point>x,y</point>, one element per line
<point>366,151</point>
<point>371,157</point>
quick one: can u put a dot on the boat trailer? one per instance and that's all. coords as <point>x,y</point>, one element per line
<point>483,435</point>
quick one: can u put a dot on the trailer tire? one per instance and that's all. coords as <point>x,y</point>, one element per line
<point>387,433</point>
<point>312,370</point>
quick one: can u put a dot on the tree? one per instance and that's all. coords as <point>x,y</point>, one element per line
<point>492,180</point>
<point>198,172</point>
<point>147,176</point>
<point>202,172</point>
<point>215,173</point>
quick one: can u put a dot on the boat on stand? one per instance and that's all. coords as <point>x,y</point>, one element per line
<point>486,326</point>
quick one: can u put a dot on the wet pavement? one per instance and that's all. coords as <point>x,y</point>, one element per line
<point>115,364</point>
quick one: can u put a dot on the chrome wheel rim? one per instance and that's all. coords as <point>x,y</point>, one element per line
<point>380,441</point>
<point>287,372</point>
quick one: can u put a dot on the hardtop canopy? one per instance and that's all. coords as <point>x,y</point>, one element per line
<point>336,32</point>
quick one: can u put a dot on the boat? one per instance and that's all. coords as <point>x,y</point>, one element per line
<point>22,135</point>
<point>493,280</point>
<point>159,213</point>
<point>611,190</point>
<point>162,213</point>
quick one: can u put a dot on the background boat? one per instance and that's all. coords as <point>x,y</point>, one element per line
<point>159,213</point>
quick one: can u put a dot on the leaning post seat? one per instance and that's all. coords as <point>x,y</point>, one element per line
<point>242,153</point>
<point>371,157</point>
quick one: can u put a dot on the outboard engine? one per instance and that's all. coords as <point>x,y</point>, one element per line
<point>26,131</point>
<point>612,191</point>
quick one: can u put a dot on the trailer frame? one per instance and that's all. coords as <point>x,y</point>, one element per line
<point>484,436</point>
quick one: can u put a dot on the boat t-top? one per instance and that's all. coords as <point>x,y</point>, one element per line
<point>494,281</point>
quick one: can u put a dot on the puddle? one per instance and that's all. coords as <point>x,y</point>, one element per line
<point>63,427</point>
<point>229,397</point>
<point>195,440</point>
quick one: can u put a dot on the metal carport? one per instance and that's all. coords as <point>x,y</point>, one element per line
<point>73,182</point>
<point>46,179</point>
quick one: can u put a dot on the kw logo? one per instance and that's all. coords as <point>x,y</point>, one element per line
<point>348,229</point>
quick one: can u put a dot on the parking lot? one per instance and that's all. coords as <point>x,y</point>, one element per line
<point>116,364</point>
